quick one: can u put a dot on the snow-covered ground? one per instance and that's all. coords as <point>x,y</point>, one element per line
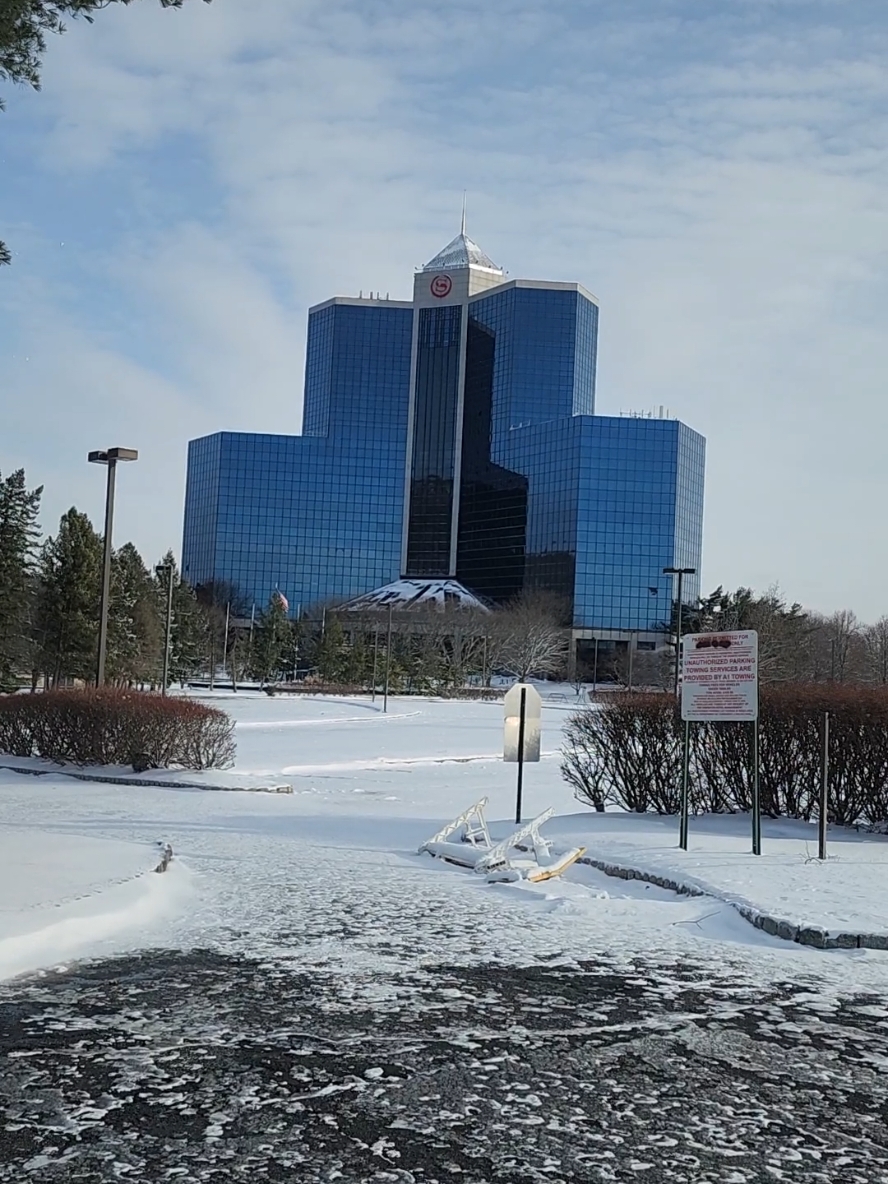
<point>847,893</point>
<point>61,893</point>
<point>328,877</point>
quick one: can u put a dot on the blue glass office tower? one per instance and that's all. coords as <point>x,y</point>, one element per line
<point>454,437</point>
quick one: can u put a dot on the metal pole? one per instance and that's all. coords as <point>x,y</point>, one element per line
<point>484,665</point>
<point>169,632</point>
<point>685,786</point>
<point>756,796</point>
<point>388,662</point>
<point>595,669</point>
<point>631,660</point>
<point>824,790</point>
<point>375,661</point>
<point>678,631</point>
<point>520,754</point>
<point>106,573</point>
<point>225,665</point>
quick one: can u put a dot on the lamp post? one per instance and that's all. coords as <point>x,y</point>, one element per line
<point>166,569</point>
<point>109,457</point>
<point>388,662</point>
<point>680,572</point>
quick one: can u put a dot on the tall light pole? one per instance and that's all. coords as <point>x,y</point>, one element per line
<point>167,569</point>
<point>109,457</point>
<point>388,662</point>
<point>681,572</point>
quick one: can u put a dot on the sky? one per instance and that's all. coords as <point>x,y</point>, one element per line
<point>187,183</point>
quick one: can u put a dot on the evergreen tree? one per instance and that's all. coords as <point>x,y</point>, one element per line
<point>135,631</point>
<point>332,652</point>
<point>272,642</point>
<point>189,633</point>
<point>19,507</point>
<point>68,605</point>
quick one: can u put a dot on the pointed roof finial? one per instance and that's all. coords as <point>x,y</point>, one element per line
<point>462,225</point>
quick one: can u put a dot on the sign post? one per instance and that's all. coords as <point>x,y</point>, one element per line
<point>522,708</point>
<point>720,685</point>
<point>685,793</point>
<point>824,791</point>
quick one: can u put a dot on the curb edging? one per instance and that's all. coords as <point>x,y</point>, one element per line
<point>111,779</point>
<point>806,935</point>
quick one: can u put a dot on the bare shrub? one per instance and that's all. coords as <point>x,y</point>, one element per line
<point>107,726</point>
<point>627,752</point>
<point>529,636</point>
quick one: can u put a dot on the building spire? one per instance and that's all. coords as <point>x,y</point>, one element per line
<point>462,225</point>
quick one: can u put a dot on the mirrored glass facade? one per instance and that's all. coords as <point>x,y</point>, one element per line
<point>454,436</point>
<point>433,460</point>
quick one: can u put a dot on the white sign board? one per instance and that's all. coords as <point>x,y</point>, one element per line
<point>512,712</point>
<point>719,676</point>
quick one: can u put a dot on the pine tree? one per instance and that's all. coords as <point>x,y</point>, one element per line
<point>68,603</point>
<point>19,507</point>
<point>189,631</point>
<point>332,652</point>
<point>272,642</point>
<point>135,631</point>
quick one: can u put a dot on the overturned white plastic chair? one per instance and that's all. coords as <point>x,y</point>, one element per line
<point>523,855</point>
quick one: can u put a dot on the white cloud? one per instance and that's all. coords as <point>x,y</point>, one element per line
<point>716,179</point>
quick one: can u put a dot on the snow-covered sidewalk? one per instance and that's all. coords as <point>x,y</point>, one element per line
<point>69,894</point>
<point>847,894</point>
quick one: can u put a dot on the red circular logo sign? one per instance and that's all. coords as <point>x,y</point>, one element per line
<point>440,286</point>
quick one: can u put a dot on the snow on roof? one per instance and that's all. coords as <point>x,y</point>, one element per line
<point>462,252</point>
<point>412,593</point>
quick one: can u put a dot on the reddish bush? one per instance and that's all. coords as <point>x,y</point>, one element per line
<point>628,751</point>
<point>114,727</point>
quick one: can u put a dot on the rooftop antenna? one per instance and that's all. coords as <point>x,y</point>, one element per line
<point>462,225</point>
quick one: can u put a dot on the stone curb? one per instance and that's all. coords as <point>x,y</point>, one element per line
<point>805,935</point>
<point>110,779</point>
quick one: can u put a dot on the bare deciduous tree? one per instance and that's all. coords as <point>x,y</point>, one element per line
<point>875,651</point>
<point>529,636</point>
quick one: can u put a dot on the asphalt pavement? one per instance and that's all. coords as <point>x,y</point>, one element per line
<point>200,1067</point>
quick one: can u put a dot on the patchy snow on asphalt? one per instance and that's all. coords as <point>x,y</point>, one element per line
<point>329,877</point>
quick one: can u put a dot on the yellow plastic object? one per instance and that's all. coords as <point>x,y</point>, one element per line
<point>537,874</point>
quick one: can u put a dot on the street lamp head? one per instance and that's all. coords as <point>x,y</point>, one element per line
<point>103,455</point>
<point>679,571</point>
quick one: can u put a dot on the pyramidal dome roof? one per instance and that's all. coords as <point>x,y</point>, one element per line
<point>409,593</point>
<point>462,252</point>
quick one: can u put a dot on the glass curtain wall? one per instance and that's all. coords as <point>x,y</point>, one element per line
<point>434,441</point>
<point>492,500</point>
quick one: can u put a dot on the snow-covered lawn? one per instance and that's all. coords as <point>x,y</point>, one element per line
<point>63,892</point>
<point>329,876</point>
<point>849,892</point>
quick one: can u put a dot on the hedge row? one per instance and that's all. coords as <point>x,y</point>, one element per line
<point>115,727</point>
<point>628,752</point>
